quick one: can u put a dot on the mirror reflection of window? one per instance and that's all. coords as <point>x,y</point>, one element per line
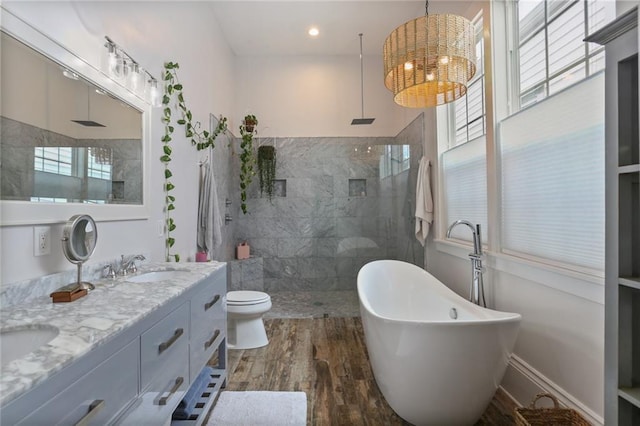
<point>394,160</point>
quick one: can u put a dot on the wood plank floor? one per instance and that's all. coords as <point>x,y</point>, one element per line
<point>327,359</point>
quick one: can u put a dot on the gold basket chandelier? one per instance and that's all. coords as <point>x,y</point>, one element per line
<point>429,60</point>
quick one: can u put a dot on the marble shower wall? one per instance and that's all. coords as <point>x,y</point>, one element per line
<point>20,182</point>
<point>338,213</point>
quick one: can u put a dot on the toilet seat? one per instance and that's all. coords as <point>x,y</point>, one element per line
<point>246,297</point>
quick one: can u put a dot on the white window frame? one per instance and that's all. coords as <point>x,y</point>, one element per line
<point>478,79</point>
<point>501,101</point>
<point>591,51</point>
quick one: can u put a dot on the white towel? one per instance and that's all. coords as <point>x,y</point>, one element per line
<point>424,201</point>
<point>209,219</point>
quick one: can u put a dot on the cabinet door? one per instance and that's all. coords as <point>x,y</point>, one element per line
<point>97,397</point>
<point>208,323</point>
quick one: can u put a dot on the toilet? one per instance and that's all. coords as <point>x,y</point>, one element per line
<point>245,329</point>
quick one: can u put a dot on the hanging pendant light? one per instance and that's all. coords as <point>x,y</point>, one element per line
<point>429,60</point>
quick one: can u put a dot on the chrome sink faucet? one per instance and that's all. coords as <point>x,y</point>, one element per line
<point>128,265</point>
<point>477,285</point>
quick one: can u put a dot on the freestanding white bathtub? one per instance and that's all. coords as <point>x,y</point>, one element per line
<point>436,357</point>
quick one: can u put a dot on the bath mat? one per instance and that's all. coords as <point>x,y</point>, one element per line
<point>259,409</point>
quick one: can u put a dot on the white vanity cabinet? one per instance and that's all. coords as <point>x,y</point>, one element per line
<point>139,375</point>
<point>96,398</point>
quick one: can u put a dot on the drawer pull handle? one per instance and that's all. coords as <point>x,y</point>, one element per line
<point>213,339</point>
<point>164,346</point>
<point>174,389</point>
<point>213,302</point>
<point>94,409</point>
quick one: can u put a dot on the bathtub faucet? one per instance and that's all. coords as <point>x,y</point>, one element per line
<point>477,286</point>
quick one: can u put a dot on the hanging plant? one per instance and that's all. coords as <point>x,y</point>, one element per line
<point>200,139</point>
<point>247,131</point>
<point>267,169</point>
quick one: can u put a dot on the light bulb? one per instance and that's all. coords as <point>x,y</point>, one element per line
<point>154,93</point>
<point>430,76</point>
<point>444,60</point>
<point>113,60</point>
<point>408,66</point>
<point>135,77</point>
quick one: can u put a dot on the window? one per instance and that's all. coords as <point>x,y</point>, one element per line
<point>464,173</point>
<point>552,180</point>
<point>463,160</point>
<point>99,165</point>
<point>551,52</point>
<point>58,160</point>
<point>394,159</point>
<point>469,111</point>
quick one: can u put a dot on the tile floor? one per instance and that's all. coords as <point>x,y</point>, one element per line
<point>313,304</point>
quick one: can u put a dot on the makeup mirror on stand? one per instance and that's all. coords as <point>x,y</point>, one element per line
<point>79,238</point>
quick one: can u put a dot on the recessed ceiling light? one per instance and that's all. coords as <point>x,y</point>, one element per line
<point>313,31</point>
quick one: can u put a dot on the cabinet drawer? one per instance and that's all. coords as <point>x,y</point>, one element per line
<point>161,343</point>
<point>207,306</point>
<point>204,345</point>
<point>97,397</point>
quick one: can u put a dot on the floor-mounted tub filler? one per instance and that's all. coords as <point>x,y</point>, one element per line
<point>436,357</point>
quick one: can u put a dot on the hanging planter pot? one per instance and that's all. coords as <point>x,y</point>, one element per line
<point>250,123</point>
<point>267,169</point>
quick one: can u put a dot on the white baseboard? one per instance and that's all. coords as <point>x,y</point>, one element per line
<point>522,382</point>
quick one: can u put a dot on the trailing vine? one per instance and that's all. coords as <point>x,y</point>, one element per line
<point>267,169</point>
<point>200,139</point>
<point>247,131</point>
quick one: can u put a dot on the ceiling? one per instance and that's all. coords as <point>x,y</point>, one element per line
<point>279,28</point>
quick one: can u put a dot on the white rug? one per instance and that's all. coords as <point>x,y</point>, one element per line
<point>260,409</point>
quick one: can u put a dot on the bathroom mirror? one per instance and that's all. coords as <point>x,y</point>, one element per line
<point>69,135</point>
<point>79,238</point>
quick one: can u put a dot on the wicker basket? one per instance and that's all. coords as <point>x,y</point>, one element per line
<point>533,416</point>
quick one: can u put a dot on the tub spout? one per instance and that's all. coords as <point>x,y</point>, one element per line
<point>477,285</point>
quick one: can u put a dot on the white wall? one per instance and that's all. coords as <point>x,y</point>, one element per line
<point>151,34</point>
<point>303,96</point>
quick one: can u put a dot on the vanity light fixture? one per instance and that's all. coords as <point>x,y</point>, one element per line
<point>122,67</point>
<point>429,60</point>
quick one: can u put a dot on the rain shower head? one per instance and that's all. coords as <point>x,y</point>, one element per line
<point>362,120</point>
<point>88,123</point>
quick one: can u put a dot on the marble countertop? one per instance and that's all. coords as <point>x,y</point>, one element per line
<point>84,324</point>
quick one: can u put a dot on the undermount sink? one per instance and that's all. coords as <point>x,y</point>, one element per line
<point>17,342</point>
<point>156,276</point>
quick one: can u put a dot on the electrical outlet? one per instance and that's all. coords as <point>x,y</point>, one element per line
<point>41,240</point>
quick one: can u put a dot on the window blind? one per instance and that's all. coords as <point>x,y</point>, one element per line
<point>552,180</point>
<point>464,173</point>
